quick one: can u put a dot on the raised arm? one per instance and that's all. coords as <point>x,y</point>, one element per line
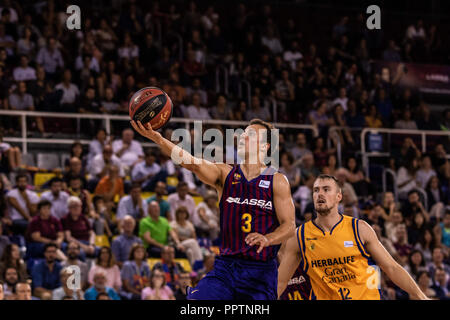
<point>384,260</point>
<point>289,256</point>
<point>208,172</point>
<point>285,210</point>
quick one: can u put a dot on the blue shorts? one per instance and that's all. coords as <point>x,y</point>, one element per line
<point>237,279</point>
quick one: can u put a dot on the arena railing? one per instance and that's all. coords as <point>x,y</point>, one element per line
<point>422,133</point>
<point>107,118</point>
<point>333,133</point>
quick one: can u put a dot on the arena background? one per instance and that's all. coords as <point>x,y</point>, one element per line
<point>369,106</point>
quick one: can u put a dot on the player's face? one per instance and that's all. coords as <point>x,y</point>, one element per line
<point>326,195</point>
<point>251,142</point>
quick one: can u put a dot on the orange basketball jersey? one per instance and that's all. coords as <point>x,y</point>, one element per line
<point>337,263</point>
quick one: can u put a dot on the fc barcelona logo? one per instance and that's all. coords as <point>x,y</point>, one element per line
<point>237,176</point>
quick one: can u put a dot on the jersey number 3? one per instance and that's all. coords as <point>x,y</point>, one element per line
<point>247,226</point>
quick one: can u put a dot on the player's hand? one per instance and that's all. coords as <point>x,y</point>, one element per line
<point>257,239</point>
<point>146,130</point>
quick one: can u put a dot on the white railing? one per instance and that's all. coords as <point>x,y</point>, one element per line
<point>423,133</point>
<point>107,118</point>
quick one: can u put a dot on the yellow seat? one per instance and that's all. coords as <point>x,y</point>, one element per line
<point>197,200</point>
<point>152,261</point>
<point>41,178</point>
<point>172,181</point>
<point>102,241</point>
<point>183,262</point>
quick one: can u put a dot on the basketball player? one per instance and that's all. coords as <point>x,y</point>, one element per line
<point>299,286</point>
<point>256,216</point>
<point>339,253</point>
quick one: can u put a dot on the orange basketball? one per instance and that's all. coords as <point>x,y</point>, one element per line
<point>152,105</point>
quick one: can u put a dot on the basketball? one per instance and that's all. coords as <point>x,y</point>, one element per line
<point>152,105</point>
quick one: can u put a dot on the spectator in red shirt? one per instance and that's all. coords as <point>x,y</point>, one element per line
<point>77,228</point>
<point>44,228</point>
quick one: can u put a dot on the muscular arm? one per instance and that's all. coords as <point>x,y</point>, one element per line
<point>289,256</point>
<point>385,261</point>
<point>208,172</point>
<point>285,210</point>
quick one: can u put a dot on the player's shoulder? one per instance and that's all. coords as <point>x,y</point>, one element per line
<point>280,180</point>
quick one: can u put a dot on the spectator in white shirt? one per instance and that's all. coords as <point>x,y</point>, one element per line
<point>269,40</point>
<point>99,166</point>
<point>146,172</point>
<point>293,55</point>
<point>195,110</point>
<point>22,204</point>
<point>206,217</point>
<point>24,72</point>
<point>14,18</point>
<point>57,197</point>
<point>416,32</point>
<point>129,50</point>
<point>129,151</point>
<point>50,57</point>
<point>132,205</point>
<point>69,89</point>
<point>341,99</point>
<point>425,172</point>
<point>96,145</point>
<point>25,45</point>
<point>181,198</point>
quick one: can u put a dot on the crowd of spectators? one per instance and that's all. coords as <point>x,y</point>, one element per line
<point>100,191</point>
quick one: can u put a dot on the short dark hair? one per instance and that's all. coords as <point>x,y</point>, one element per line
<point>21,175</point>
<point>182,184</point>
<point>330,177</point>
<point>54,179</point>
<point>77,177</point>
<point>268,126</point>
<point>43,203</point>
<point>135,185</point>
<point>413,191</point>
<point>101,294</point>
<point>48,245</point>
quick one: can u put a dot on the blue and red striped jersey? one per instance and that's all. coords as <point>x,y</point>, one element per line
<point>247,207</point>
<point>299,286</point>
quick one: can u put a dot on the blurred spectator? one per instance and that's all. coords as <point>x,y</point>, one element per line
<point>169,266</point>
<point>401,244</point>
<point>158,290</point>
<point>441,284</point>
<point>292,173</point>
<point>406,122</point>
<point>147,173</point>
<point>24,72</point>
<point>23,291</point>
<point>195,110</point>
<point>10,278</point>
<point>300,148</point>
<point>436,198</point>
<point>206,217</point>
<point>11,258</point>
<point>73,259</point>
<point>64,290</point>
<point>256,111</point>
<point>100,286</point>
<point>372,118</point>
<point>70,91</point>
<point>417,228</point>
<point>412,206</point>
<point>437,262</point>
<point>57,198</point>
<point>135,273</point>
<point>43,229</point>
<point>445,226</point>
<point>75,169</point>
<point>406,178</point>
<point>425,172</point>
<point>416,263</point>
<point>155,230</point>
<point>46,273</point>
<point>221,109</point>
<point>196,88</point>
<point>97,144</point>
<point>426,244</point>
<point>132,205</point>
<point>50,58</point>
<point>22,204</point>
<point>105,262</point>
<point>184,281</point>
<point>392,52</point>
<point>347,188</point>
<point>123,243</point>
<point>76,189</point>
<point>186,234</point>
<point>424,283</point>
<point>362,185</point>
<point>160,191</point>
<point>111,186</point>
<point>129,151</point>
<point>180,198</point>
<point>4,240</point>
<point>416,31</point>
<point>77,228</point>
